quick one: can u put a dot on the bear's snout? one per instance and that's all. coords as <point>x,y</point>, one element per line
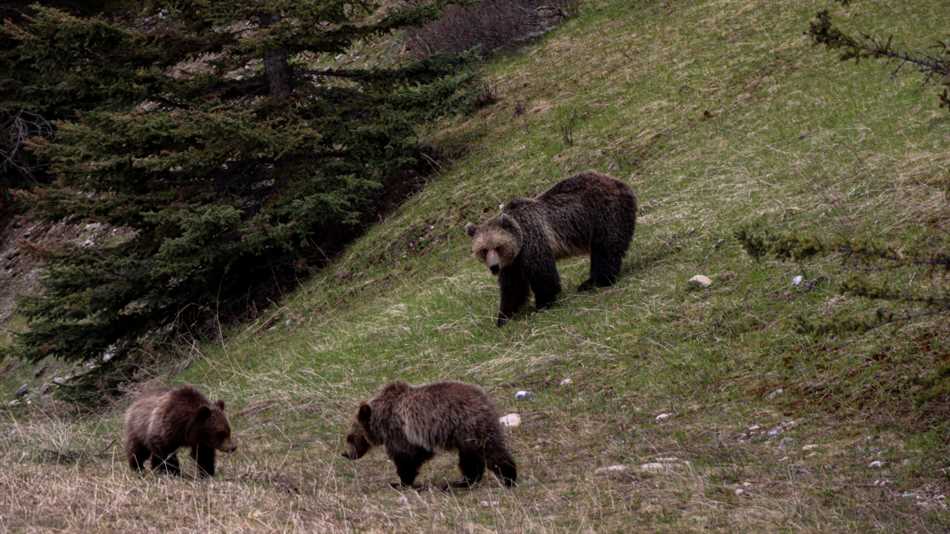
<point>228,446</point>
<point>494,269</point>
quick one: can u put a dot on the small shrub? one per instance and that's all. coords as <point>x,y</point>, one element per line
<point>488,25</point>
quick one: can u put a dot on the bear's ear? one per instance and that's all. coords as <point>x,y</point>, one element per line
<point>364,414</point>
<point>470,229</point>
<point>203,413</point>
<point>219,404</point>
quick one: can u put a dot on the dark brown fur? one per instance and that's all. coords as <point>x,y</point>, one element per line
<point>413,422</point>
<point>159,422</point>
<point>587,214</point>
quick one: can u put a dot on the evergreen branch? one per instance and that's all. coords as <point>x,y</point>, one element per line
<point>933,66</point>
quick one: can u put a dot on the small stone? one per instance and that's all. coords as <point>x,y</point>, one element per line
<point>663,417</point>
<point>653,467</point>
<point>14,402</point>
<point>511,420</point>
<point>403,500</point>
<point>797,280</point>
<point>739,491</point>
<point>487,504</point>
<point>776,431</point>
<point>753,428</point>
<point>22,391</point>
<point>523,395</point>
<point>617,468</point>
<point>775,393</point>
<point>876,464</point>
<point>700,281</point>
<point>809,447</point>
<point>567,382</point>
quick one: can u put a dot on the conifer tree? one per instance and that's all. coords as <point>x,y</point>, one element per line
<point>219,137</point>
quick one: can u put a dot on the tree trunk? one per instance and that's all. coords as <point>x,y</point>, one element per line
<point>276,67</point>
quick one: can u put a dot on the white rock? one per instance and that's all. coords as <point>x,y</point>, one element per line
<point>809,447</point>
<point>876,464</point>
<point>700,280</point>
<point>653,467</point>
<point>739,491</point>
<point>618,468</point>
<point>663,417</point>
<point>523,395</point>
<point>511,420</point>
<point>775,393</point>
<point>567,382</point>
<point>797,280</point>
<point>753,428</point>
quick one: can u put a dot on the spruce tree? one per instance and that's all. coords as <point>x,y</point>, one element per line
<point>222,141</point>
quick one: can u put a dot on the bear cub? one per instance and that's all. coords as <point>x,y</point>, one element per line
<point>587,214</point>
<point>161,421</point>
<point>412,422</point>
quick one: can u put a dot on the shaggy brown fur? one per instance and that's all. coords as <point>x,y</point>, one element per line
<point>413,422</point>
<point>587,214</point>
<point>161,421</point>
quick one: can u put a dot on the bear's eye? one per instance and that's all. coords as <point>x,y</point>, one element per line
<point>349,439</point>
<point>482,253</point>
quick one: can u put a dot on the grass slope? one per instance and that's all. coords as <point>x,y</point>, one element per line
<point>718,113</point>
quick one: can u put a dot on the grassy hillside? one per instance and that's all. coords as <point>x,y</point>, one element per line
<point>719,114</point>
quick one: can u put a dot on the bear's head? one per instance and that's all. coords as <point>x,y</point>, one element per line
<point>211,429</point>
<point>496,242</point>
<point>361,437</point>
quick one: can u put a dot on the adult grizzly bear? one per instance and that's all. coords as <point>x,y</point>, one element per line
<point>413,422</point>
<point>161,421</point>
<point>587,214</point>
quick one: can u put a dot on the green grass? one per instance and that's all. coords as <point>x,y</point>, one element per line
<point>719,114</point>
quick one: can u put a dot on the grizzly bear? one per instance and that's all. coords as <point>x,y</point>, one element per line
<point>587,214</point>
<point>412,422</point>
<point>161,421</point>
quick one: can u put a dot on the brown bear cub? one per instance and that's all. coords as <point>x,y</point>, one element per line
<point>587,214</point>
<point>413,422</point>
<point>161,421</point>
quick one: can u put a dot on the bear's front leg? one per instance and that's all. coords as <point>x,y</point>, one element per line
<point>166,463</point>
<point>514,293</point>
<point>545,282</point>
<point>204,457</point>
<point>408,463</point>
